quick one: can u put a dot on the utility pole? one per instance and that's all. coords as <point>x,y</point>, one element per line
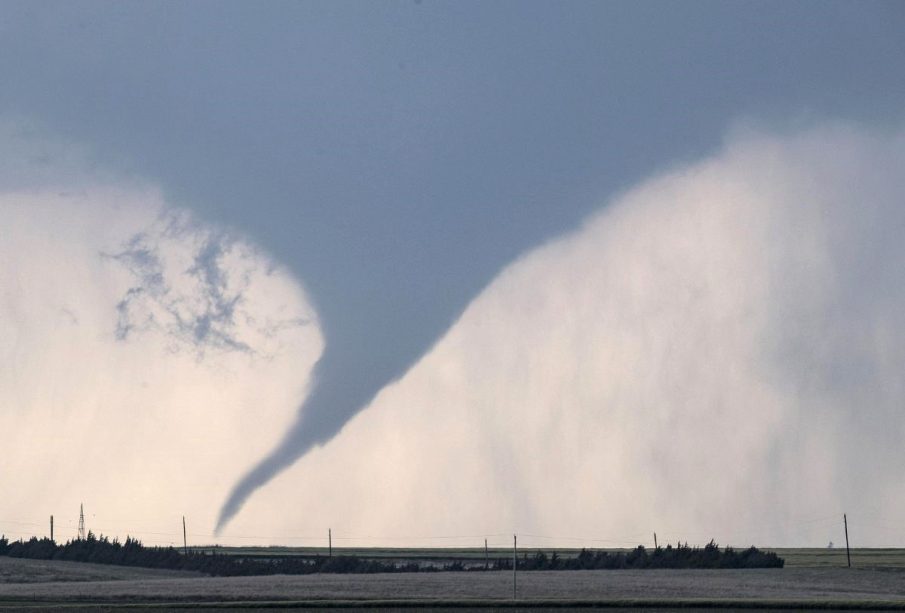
<point>655,541</point>
<point>848,554</point>
<point>329,542</point>
<point>486,556</point>
<point>514,565</point>
<point>51,528</point>
<point>185,541</point>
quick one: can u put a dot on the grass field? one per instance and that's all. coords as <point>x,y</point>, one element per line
<point>835,558</point>
<point>14,570</point>
<point>793,587</point>
<point>812,578</point>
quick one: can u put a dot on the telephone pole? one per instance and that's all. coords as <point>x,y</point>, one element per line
<point>51,528</point>
<point>514,565</point>
<point>185,541</point>
<point>329,542</point>
<point>848,554</point>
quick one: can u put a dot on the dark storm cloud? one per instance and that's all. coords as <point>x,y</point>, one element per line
<point>397,155</point>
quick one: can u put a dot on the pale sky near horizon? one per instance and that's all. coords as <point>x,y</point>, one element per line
<point>393,157</point>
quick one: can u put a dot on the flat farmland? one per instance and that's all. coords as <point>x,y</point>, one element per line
<point>835,558</point>
<point>17,571</point>
<point>55,585</point>
<point>766,584</point>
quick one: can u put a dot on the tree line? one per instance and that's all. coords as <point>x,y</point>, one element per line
<point>680,556</point>
<point>131,552</point>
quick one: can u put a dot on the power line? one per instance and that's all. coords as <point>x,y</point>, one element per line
<point>804,525</point>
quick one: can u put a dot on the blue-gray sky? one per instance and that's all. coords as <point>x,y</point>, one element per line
<point>396,155</point>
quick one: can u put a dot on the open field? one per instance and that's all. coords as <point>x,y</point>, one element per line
<point>19,571</point>
<point>812,578</point>
<point>835,558</point>
<point>792,587</point>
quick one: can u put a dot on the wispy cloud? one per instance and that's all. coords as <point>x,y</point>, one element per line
<point>139,381</point>
<point>196,294</point>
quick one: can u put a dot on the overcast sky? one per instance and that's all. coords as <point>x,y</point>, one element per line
<point>394,157</point>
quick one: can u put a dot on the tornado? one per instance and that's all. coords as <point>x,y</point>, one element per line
<point>335,393</point>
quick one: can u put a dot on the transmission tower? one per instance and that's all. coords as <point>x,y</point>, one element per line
<point>81,536</point>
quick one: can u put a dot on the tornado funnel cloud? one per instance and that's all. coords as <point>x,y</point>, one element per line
<point>299,440</point>
<point>335,396</point>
